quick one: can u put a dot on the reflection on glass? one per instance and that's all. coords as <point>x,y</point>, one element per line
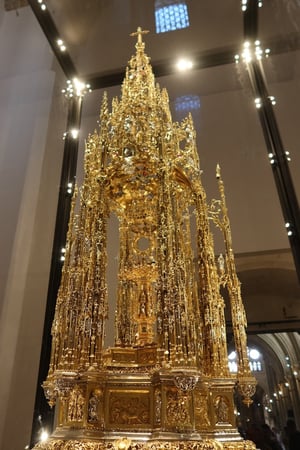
<point>255,358</point>
<point>187,103</point>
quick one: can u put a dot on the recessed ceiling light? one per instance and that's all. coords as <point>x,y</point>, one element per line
<point>184,64</point>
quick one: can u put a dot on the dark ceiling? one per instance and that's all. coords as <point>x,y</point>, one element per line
<point>97,32</point>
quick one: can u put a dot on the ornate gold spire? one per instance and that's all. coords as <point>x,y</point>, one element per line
<point>229,278</point>
<point>166,380</point>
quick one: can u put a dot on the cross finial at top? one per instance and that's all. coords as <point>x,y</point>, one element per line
<point>139,32</point>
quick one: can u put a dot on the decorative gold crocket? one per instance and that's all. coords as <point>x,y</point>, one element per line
<point>165,383</point>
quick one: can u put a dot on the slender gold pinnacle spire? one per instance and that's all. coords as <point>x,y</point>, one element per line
<point>229,278</point>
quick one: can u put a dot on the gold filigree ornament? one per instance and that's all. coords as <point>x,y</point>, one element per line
<point>165,383</point>
<point>247,388</point>
<point>122,444</point>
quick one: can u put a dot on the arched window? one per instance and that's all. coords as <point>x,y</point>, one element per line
<point>255,360</point>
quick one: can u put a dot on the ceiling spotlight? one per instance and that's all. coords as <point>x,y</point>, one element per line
<point>184,64</point>
<point>258,102</point>
<point>244,5</point>
<point>76,87</point>
<point>79,86</point>
<point>44,436</point>
<point>74,133</point>
<point>247,54</point>
<point>272,99</point>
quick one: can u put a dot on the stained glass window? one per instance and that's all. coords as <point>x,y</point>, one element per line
<point>170,15</point>
<point>254,356</point>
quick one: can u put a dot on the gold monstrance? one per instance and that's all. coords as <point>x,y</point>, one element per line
<point>165,384</point>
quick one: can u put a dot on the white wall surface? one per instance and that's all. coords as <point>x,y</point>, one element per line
<point>32,120</point>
